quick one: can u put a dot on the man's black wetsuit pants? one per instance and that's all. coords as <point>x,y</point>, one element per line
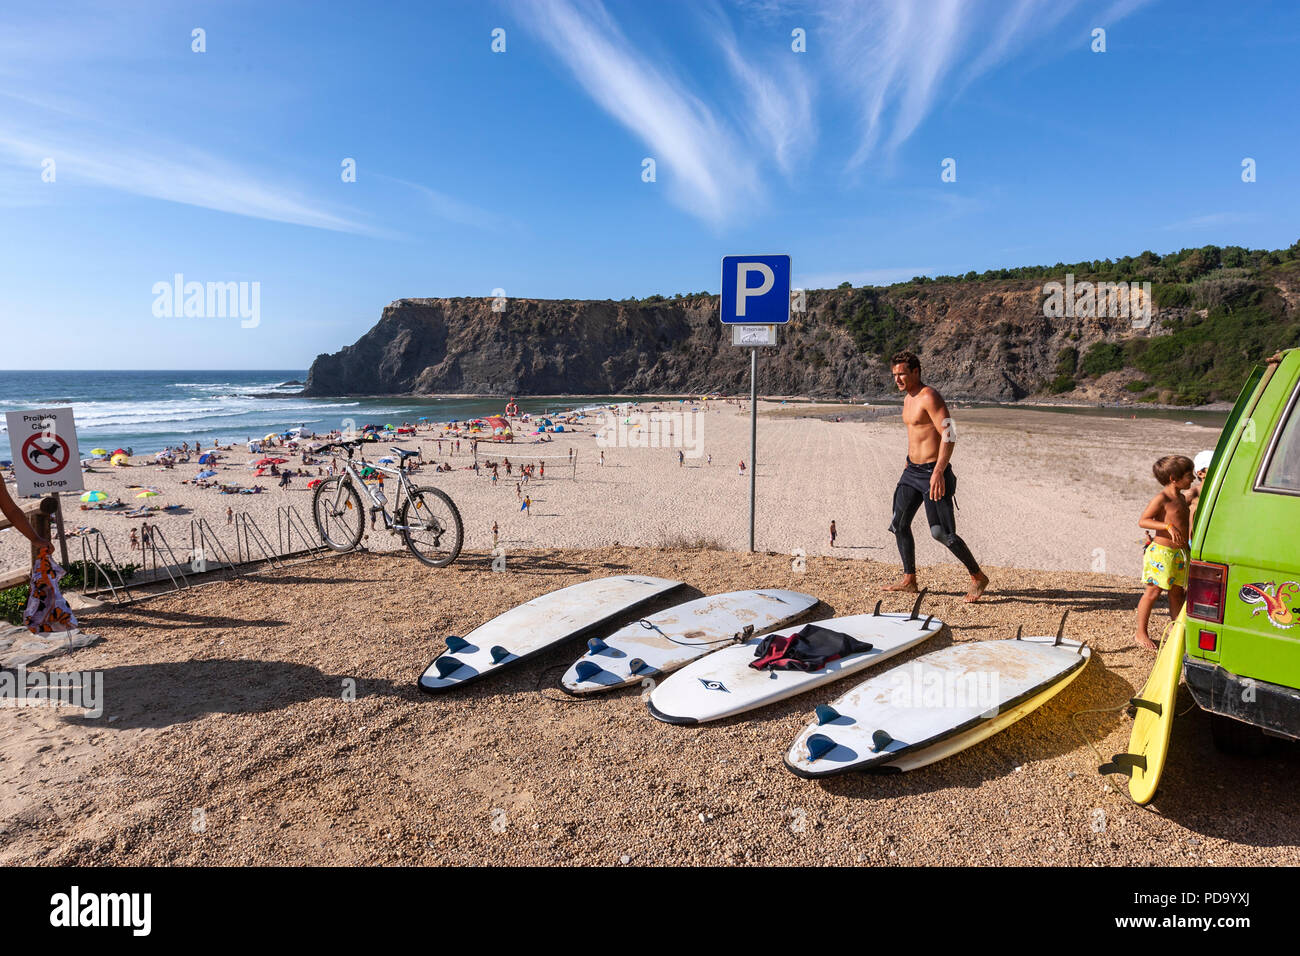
<point>914,490</point>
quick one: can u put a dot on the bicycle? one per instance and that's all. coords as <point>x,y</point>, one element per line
<point>434,521</point>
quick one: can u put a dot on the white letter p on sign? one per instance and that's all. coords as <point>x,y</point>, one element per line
<point>743,291</point>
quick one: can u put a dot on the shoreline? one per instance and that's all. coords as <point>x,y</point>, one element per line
<point>883,399</point>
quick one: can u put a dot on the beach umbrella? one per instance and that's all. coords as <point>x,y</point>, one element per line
<point>314,482</point>
<point>148,493</point>
<point>121,451</point>
<point>99,451</point>
<point>386,461</point>
<point>120,459</point>
<point>270,437</point>
<point>90,496</point>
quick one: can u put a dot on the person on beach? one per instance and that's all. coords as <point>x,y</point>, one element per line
<point>681,458</point>
<point>1200,468</point>
<point>528,503</point>
<point>494,535</point>
<point>602,458</point>
<point>928,477</point>
<point>832,534</point>
<point>230,515</point>
<point>1164,563</point>
<point>742,468</point>
<point>135,542</point>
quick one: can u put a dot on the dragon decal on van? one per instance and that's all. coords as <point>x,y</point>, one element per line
<point>1273,600</point>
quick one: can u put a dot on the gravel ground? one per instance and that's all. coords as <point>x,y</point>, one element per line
<point>227,738</point>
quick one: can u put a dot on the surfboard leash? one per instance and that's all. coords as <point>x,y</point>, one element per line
<point>741,635</point>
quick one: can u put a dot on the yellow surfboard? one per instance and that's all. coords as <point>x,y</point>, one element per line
<point>1148,745</point>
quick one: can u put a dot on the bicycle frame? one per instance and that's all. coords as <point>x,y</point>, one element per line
<point>404,487</point>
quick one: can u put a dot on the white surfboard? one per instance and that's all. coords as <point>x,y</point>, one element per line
<point>669,639</point>
<point>724,683</point>
<point>537,625</point>
<point>935,706</point>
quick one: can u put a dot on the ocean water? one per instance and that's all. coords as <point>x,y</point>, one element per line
<point>148,410</point>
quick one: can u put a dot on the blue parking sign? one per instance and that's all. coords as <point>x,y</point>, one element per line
<point>755,290</point>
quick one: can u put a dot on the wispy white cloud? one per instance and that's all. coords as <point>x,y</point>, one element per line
<point>697,157</point>
<point>173,173</point>
<point>776,94</point>
<point>449,208</point>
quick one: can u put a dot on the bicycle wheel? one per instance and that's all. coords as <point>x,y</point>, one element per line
<point>434,532</point>
<point>339,517</point>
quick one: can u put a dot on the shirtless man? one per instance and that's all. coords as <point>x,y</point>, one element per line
<point>928,477</point>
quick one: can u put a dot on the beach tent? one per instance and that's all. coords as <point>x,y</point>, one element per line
<point>120,460</point>
<point>205,459</point>
<point>121,451</point>
<point>204,474</point>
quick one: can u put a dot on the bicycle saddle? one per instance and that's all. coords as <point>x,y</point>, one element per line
<point>404,452</point>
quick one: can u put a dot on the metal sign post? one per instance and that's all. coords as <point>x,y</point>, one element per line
<point>754,311</point>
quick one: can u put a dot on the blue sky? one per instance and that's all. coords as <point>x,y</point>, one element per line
<point>522,170</point>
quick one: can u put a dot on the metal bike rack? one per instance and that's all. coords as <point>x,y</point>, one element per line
<point>288,522</point>
<point>206,536</point>
<point>91,558</point>
<point>247,534</point>
<point>155,538</point>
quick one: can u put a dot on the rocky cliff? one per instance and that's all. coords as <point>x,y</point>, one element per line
<point>979,340</point>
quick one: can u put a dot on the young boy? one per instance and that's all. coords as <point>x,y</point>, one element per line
<point>1164,564</point>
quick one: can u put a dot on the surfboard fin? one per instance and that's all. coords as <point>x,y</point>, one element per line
<point>819,746</point>
<point>876,612</point>
<point>637,666</point>
<point>499,654</point>
<point>916,608</point>
<point>1082,645</point>
<point>1060,630</point>
<point>1020,629</point>
<point>926,625</point>
<point>586,670</point>
<point>880,740</point>
<point>596,645</point>
<point>825,714</point>
<point>447,666</point>
<point>455,644</point>
<point>1124,763</point>
<point>1150,705</point>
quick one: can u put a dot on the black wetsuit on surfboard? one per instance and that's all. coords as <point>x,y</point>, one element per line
<point>914,490</point>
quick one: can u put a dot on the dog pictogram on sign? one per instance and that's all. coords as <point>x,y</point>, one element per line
<point>45,455</point>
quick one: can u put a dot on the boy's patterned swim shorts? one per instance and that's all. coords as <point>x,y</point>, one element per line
<point>1164,566</point>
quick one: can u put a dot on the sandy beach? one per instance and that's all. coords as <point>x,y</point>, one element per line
<point>226,738</point>
<point>1036,489</point>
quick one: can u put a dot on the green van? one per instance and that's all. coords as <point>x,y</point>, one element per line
<point>1242,659</point>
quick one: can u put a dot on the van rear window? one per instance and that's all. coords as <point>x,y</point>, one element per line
<point>1282,472</point>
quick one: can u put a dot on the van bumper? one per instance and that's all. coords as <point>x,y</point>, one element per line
<point>1271,707</point>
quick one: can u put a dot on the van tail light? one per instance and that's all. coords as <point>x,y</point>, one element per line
<point>1207,589</point>
<point>1207,640</point>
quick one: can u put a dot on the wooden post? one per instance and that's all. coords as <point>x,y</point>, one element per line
<point>58,521</point>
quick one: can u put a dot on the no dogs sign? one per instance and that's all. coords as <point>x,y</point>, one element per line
<point>44,445</point>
